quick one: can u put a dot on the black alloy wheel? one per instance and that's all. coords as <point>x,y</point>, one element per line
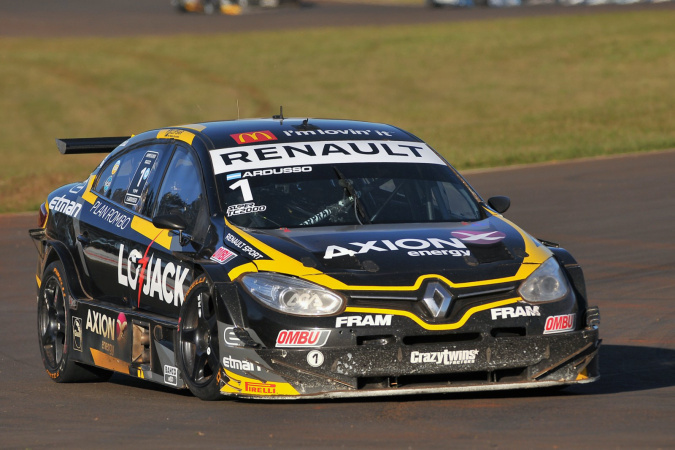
<point>55,332</point>
<point>198,349</point>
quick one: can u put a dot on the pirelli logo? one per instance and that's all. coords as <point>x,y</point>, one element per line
<point>253,136</point>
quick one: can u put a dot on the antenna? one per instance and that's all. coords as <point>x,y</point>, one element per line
<point>280,116</point>
<point>237,109</point>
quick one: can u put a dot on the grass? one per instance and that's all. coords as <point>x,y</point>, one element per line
<point>484,94</point>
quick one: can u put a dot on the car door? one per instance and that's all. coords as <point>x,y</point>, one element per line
<point>165,278</point>
<point>107,236</point>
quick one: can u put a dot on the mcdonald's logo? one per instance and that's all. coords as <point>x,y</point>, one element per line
<point>253,136</point>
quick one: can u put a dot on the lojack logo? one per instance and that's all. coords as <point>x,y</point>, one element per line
<point>164,282</point>
<point>415,245</point>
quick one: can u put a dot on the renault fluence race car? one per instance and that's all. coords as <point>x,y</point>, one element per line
<point>289,258</point>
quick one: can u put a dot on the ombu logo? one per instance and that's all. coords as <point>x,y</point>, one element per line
<point>559,324</point>
<point>253,136</point>
<point>302,338</point>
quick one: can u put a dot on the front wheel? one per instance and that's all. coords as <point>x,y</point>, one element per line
<point>55,331</point>
<point>198,351</point>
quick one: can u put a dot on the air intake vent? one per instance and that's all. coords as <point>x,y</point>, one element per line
<point>140,351</point>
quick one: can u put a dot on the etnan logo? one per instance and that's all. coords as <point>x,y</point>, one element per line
<point>253,136</point>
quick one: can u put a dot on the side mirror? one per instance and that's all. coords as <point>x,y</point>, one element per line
<point>499,203</point>
<point>169,222</point>
<point>173,222</point>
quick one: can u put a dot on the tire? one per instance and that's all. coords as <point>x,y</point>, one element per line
<point>55,334</point>
<point>197,355</point>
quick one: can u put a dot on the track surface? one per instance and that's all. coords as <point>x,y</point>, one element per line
<point>49,18</point>
<point>615,215</point>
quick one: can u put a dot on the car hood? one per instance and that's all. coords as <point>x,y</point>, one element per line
<point>399,254</point>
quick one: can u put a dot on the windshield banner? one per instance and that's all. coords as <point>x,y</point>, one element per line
<point>321,152</point>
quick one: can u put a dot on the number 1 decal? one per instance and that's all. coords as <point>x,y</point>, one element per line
<point>245,189</point>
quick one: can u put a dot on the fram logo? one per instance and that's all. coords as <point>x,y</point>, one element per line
<point>253,136</point>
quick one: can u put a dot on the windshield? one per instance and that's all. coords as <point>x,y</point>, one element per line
<point>346,194</point>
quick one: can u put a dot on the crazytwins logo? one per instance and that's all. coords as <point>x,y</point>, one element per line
<point>479,237</point>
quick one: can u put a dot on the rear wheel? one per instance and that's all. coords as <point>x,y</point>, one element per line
<point>55,332</point>
<point>198,351</point>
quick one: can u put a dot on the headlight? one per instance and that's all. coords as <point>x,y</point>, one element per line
<point>292,295</point>
<point>546,284</point>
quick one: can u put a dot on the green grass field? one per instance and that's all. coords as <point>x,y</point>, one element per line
<point>484,94</point>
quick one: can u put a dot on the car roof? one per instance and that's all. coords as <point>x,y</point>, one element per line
<point>233,133</point>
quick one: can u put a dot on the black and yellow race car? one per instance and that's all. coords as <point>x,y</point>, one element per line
<point>300,258</point>
<point>229,7</point>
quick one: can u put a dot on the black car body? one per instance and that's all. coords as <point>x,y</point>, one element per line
<point>288,258</point>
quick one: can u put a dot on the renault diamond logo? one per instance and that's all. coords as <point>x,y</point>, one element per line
<point>437,300</point>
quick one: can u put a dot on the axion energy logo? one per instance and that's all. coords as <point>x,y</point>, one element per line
<point>253,136</point>
<point>478,237</point>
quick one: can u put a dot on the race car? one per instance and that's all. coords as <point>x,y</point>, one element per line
<point>229,7</point>
<point>299,258</point>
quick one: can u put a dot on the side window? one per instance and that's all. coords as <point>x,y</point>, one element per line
<point>127,178</point>
<point>182,193</point>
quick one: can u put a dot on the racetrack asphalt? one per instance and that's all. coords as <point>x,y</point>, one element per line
<point>616,217</point>
<point>614,214</point>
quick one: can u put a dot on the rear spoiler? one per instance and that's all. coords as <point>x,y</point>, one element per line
<point>89,145</point>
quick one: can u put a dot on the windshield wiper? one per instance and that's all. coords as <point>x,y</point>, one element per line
<point>349,187</point>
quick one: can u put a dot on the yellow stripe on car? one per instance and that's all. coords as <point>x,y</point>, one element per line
<point>239,384</point>
<point>147,229</point>
<point>282,263</point>
<point>434,327</point>
<point>181,135</point>
<point>87,195</point>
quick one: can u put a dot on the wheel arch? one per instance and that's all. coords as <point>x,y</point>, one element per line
<point>57,251</point>
<point>225,291</point>
<point>574,272</point>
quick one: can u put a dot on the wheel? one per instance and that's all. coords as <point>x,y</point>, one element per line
<point>55,331</point>
<point>198,351</point>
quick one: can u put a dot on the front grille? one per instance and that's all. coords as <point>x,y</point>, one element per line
<point>441,338</point>
<point>444,379</point>
<point>462,301</point>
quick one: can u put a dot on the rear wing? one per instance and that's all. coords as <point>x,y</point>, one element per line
<point>89,145</point>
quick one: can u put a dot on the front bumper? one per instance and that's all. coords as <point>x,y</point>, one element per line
<point>483,364</point>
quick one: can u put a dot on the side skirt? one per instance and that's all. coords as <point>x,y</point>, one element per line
<point>126,341</point>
